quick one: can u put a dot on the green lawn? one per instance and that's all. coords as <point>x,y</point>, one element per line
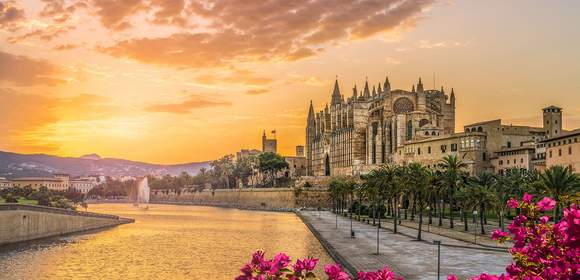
<point>23,201</point>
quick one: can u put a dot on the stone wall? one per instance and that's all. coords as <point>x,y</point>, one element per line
<point>25,222</point>
<point>253,198</point>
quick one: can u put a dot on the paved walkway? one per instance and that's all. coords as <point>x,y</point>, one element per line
<point>409,258</point>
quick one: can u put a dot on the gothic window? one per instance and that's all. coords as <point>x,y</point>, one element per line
<point>480,129</point>
<point>403,105</point>
<point>409,130</point>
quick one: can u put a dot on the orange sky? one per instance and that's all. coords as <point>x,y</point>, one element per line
<point>170,81</point>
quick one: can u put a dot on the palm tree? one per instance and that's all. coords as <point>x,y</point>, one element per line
<point>559,183</point>
<point>482,194</point>
<point>418,183</point>
<point>452,168</point>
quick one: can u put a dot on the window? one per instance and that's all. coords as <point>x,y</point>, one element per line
<point>419,150</point>
<point>509,144</point>
<point>454,147</point>
<point>484,156</point>
<point>569,150</point>
<point>429,149</point>
<point>443,148</point>
<point>501,162</point>
<point>559,152</point>
<point>521,160</point>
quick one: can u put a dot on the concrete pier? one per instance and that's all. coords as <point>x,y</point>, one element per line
<point>26,222</point>
<point>405,255</point>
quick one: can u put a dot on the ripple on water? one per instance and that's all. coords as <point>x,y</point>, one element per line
<point>165,242</point>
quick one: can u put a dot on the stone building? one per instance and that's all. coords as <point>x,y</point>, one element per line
<point>59,182</point>
<point>269,145</point>
<point>352,135</point>
<point>564,150</point>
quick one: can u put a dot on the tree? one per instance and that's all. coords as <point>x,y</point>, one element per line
<point>244,168</point>
<point>223,168</point>
<point>270,164</point>
<point>418,179</point>
<point>452,169</point>
<point>559,183</point>
<point>481,194</point>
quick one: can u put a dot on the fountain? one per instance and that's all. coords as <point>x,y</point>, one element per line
<point>140,194</point>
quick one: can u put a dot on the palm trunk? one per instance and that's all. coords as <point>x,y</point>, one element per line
<point>420,224</point>
<point>414,208</point>
<point>481,218</point>
<point>451,213</point>
<point>501,225</point>
<point>465,228</point>
<point>441,214</point>
<point>395,221</point>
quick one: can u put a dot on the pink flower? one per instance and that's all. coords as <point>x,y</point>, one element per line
<point>546,204</point>
<point>499,235</point>
<point>257,257</point>
<point>305,265</point>
<point>452,277</point>
<point>334,272</point>
<point>512,203</point>
<point>544,219</point>
<point>527,198</point>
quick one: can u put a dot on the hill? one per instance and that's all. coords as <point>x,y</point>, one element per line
<point>13,165</point>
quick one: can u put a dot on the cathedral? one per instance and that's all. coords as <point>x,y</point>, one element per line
<point>355,134</point>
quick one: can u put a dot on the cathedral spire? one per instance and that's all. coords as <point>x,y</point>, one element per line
<point>420,85</point>
<point>374,91</point>
<point>442,91</point>
<point>380,90</point>
<point>335,94</point>
<point>354,93</point>
<point>413,89</point>
<point>367,92</point>
<point>387,85</point>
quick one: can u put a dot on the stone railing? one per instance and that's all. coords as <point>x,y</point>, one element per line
<point>45,209</point>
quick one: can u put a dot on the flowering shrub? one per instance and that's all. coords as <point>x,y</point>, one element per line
<point>540,251</point>
<point>279,268</point>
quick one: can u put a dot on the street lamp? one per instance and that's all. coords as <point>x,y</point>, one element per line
<point>475,230</point>
<point>438,243</point>
<point>429,223</point>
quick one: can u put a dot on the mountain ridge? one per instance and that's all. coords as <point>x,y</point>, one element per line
<point>13,165</point>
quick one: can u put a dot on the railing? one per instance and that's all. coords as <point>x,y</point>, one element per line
<point>14,206</point>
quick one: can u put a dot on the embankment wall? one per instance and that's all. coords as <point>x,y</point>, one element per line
<point>253,198</point>
<point>26,222</point>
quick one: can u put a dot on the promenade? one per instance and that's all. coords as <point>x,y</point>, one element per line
<point>405,255</point>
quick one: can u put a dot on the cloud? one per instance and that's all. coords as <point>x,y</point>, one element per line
<point>257,91</point>
<point>195,101</point>
<point>59,11</point>
<point>392,60</point>
<point>66,47</point>
<point>25,71</point>
<point>255,31</point>
<point>32,115</point>
<point>114,13</point>
<point>10,15</point>
<point>427,44</point>
<point>234,76</point>
<point>46,33</point>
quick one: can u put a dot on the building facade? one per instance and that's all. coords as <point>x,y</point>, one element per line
<point>564,150</point>
<point>59,182</point>
<point>269,145</point>
<point>355,134</point>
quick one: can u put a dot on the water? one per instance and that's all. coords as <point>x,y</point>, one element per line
<point>165,242</point>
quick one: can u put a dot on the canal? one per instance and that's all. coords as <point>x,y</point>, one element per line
<point>165,242</point>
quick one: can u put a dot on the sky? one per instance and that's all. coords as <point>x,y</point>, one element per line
<point>171,81</point>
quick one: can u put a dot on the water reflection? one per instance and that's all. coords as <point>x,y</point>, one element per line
<point>165,242</point>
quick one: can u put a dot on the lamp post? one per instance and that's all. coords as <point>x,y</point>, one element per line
<point>429,223</point>
<point>438,243</point>
<point>475,224</point>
